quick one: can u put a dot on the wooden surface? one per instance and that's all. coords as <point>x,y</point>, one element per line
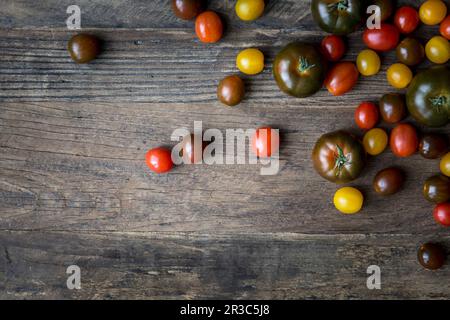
<point>74,188</point>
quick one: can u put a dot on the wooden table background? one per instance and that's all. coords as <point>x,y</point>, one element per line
<point>74,188</point>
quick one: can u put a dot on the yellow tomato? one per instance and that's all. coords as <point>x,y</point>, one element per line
<point>250,61</point>
<point>432,12</point>
<point>368,62</point>
<point>375,141</point>
<point>248,10</point>
<point>399,75</point>
<point>348,200</point>
<point>444,165</point>
<point>438,49</point>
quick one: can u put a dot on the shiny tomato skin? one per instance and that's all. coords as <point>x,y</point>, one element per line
<point>406,19</point>
<point>341,78</point>
<point>231,90</point>
<point>388,181</point>
<point>441,214</point>
<point>159,160</point>
<point>187,9</point>
<point>404,141</point>
<point>208,27</point>
<point>265,142</point>
<point>383,39</point>
<point>375,141</point>
<point>433,145</point>
<point>333,48</point>
<point>392,107</point>
<point>366,115</point>
<point>432,12</point>
<point>444,28</point>
<point>437,189</point>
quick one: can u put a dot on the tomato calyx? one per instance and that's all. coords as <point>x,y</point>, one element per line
<point>342,5</point>
<point>341,159</point>
<point>304,65</point>
<point>438,102</point>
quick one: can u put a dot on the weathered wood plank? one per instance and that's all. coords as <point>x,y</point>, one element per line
<point>158,65</point>
<point>161,266</point>
<point>81,166</point>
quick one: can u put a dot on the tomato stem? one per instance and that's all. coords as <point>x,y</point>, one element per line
<point>341,159</point>
<point>438,102</point>
<point>341,5</point>
<point>304,65</point>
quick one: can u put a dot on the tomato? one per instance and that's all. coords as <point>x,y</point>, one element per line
<point>386,8</point>
<point>265,142</point>
<point>187,9</point>
<point>432,12</point>
<point>444,28</point>
<point>208,27</point>
<point>406,19</point>
<point>333,48</point>
<point>159,160</point>
<point>437,50</point>
<point>392,107</point>
<point>444,165</point>
<point>403,140</point>
<point>388,181</point>
<point>338,16</point>
<point>368,62</point>
<point>299,69</point>
<point>341,78</point>
<point>192,148</point>
<point>437,189</point>
<point>375,141</point>
<point>231,90</point>
<point>433,145</point>
<point>366,115</point>
<point>250,61</point>
<point>249,10</point>
<point>338,157</point>
<point>383,39</point>
<point>348,200</point>
<point>431,256</point>
<point>410,52</point>
<point>428,96</point>
<point>441,214</point>
<point>399,75</point>
<point>84,48</point>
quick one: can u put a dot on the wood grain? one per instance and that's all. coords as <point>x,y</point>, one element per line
<point>74,188</point>
<point>195,266</point>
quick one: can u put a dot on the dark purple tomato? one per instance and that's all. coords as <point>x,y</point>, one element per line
<point>431,256</point>
<point>187,9</point>
<point>410,51</point>
<point>437,189</point>
<point>433,145</point>
<point>388,181</point>
<point>84,47</point>
<point>231,90</point>
<point>392,107</point>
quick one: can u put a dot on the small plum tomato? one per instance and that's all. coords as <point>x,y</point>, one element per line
<point>366,115</point>
<point>348,200</point>
<point>437,50</point>
<point>406,19</point>
<point>159,160</point>
<point>399,75</point>
<point>250,61</point>
<point>403,140</point>
<point>209,27</point>
<point>333,48</point>
<point>441,214</point>
<point>265,142</point>
<point>444,165</point>
<point>249,10</point>
<point>375,141</point>
<point>432,12</point>
<point>444,28</point>
<point>368,62</point>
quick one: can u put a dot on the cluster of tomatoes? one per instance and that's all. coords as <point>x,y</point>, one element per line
<point>339,156</point>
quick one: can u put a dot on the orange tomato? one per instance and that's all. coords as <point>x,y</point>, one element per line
<point>208,27</point>
<point>341,78</point>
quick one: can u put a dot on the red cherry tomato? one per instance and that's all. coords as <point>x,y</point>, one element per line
<point>404,141</point>
<point>441,214</point>
<point>406,19</point>
<point>262,142</point>
<point>444,29</point>
<point>341,78</point>
<point>159,160</point>
<point>333,48</point>
<point>208,27</point>
<point>366,115</point>
<point>383,39</point>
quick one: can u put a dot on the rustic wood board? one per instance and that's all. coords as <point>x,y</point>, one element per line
<point>74,188</point>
